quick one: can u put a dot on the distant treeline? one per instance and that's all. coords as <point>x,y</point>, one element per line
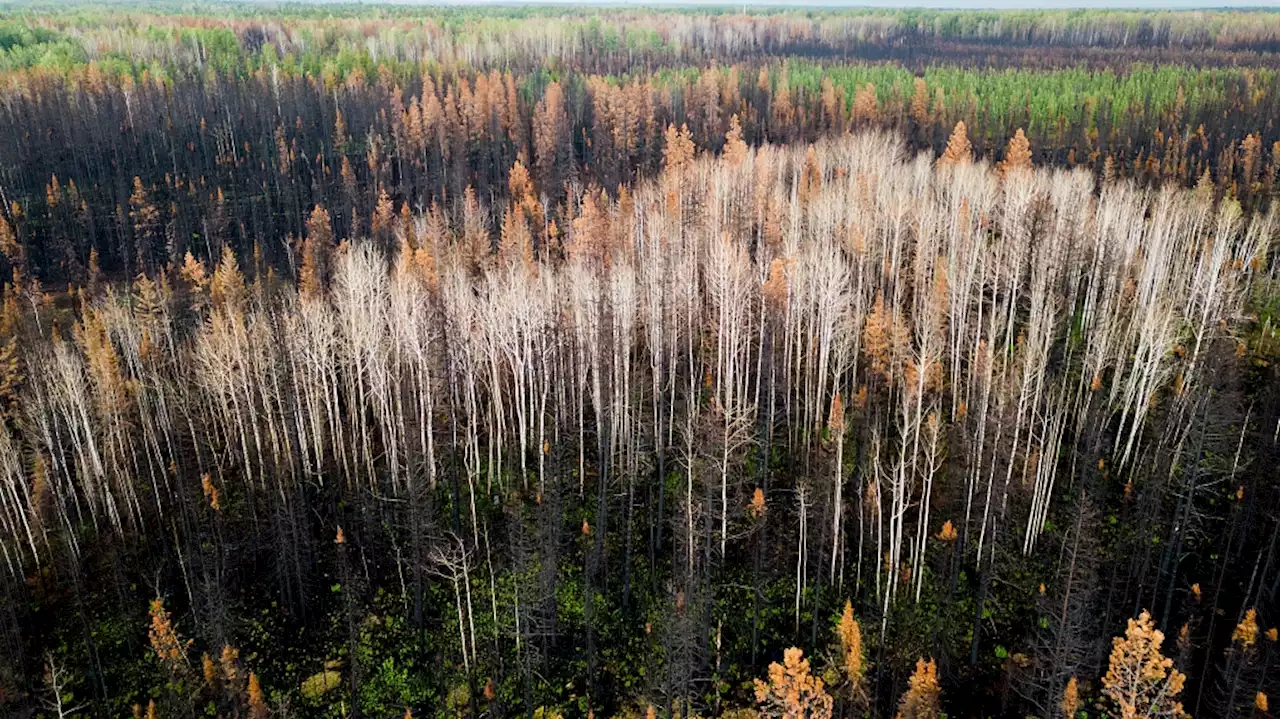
<point>141,168</point>
<point>499,34</point>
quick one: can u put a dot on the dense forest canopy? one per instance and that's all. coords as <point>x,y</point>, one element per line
<point>232,121</point>
<point>391,361</point>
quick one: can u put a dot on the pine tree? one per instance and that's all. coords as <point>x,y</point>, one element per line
<point>228,660</point>
<point>168,646</point>
<point>211,494</point>
<point>1017,157</point>
<point>11,248</point>
<point>209,671</point>
<point>853,659</point>
<point>958,150</point>
<point>257,701</point>
<point>1250,161</point>
<point>810,176</point>
<point>551,137</point>
<point>1141,683</point>
<point>782,110</point>
<point>677,152</point>
<point>11,376</point>
<point>1246,632</point>
<point>920,104</point>
<point>876,341</point>
<point>351,192</point>
<point>316,248</point>
<point>791,691</point>
<point>145,219</point>
<point>948,532</point>
<point>922,699</point>
<point>866,106</point>
<point>519,184</point>
<point>227,288</point>
<point>384,214</point>
<point>196,281</point>
<point>735,150</point>
<point>515,243</point>
<point>149,302</point>
<point>1070,703</point>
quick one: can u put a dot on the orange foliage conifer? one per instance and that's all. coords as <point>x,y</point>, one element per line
<point>1140,681</point>
<point>169,648</point>
<point>735,149</point>
<point>923,697</point>
<point>959,150</point>
<point>1017,156</point>
<point>853,660</point>
<point>1070,703</point>
<point>791,691</point>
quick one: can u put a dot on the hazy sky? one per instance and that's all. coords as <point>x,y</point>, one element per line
<point>953,4</point>
<point>957,4</point>
<point>1025,4</point>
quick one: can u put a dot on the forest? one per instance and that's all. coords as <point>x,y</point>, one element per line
<point>401,361</point>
